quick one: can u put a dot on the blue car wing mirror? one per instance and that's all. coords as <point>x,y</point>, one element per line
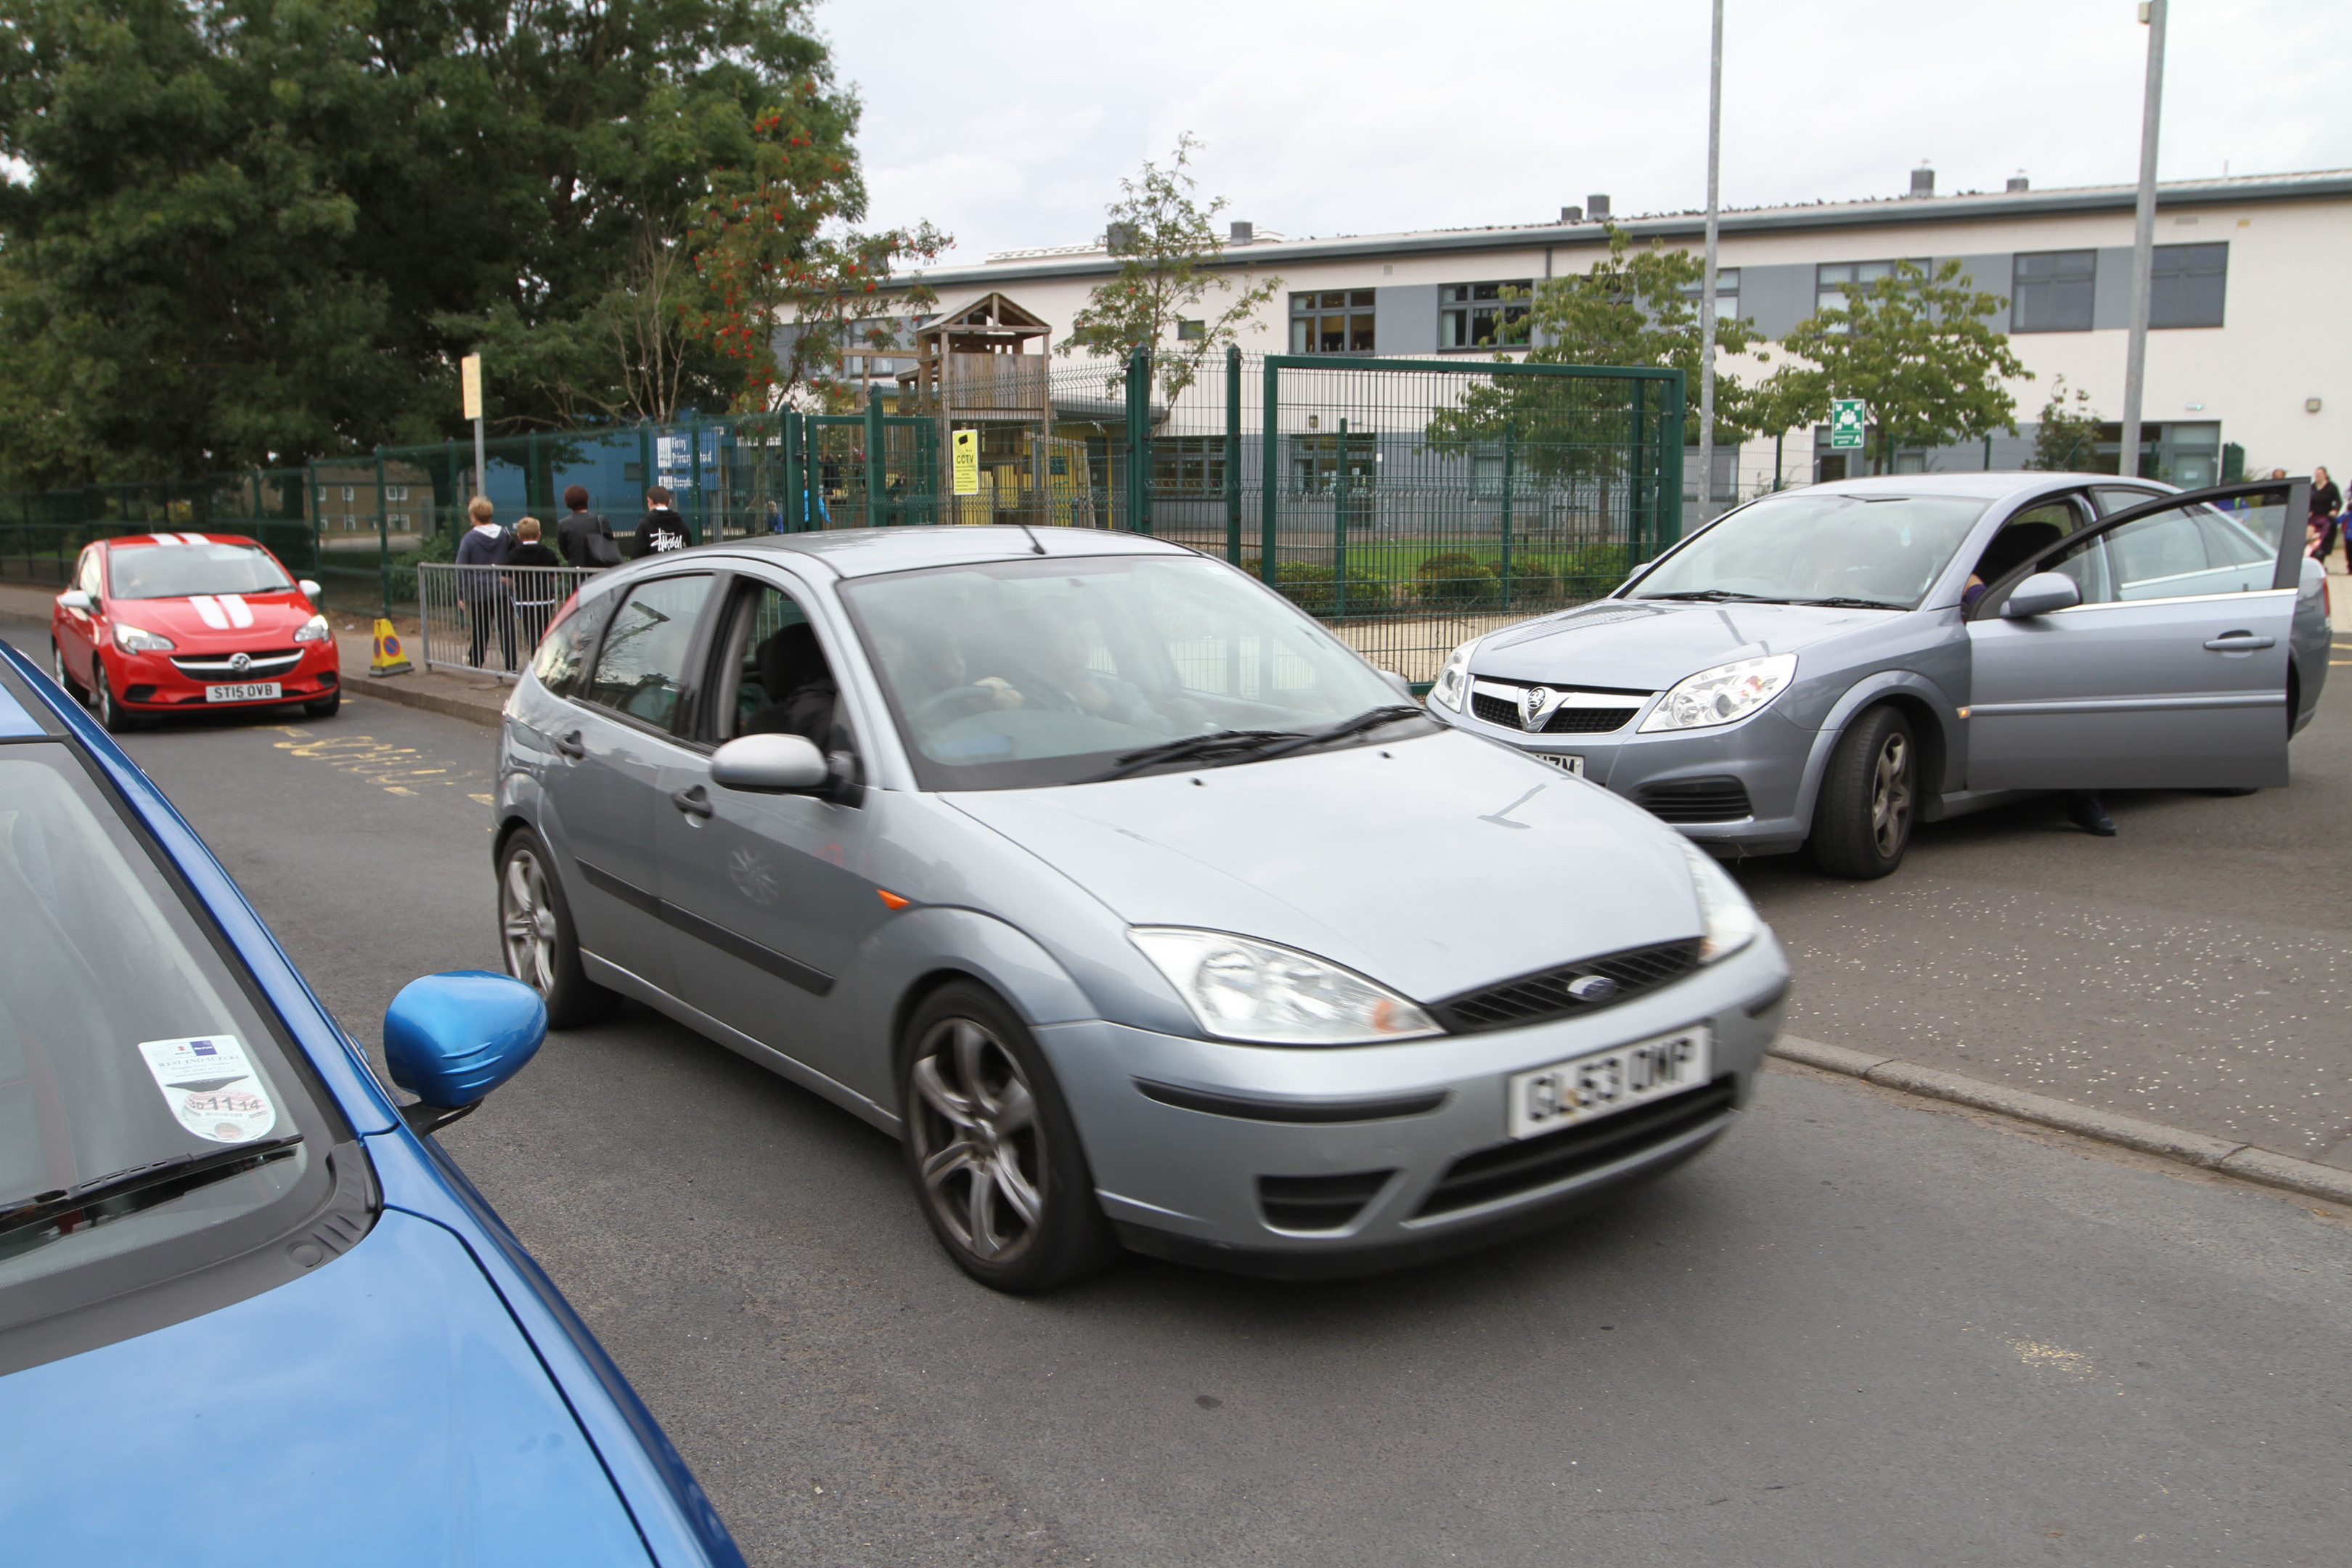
<point>449,1039</point>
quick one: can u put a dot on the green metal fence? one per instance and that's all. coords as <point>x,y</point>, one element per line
<point>1412,503</point>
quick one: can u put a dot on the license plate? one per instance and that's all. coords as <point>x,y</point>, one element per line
<point>1584,1088</point>
<point>244,691</point>
<point>1562,761</point>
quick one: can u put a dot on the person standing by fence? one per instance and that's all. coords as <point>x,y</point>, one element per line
<point>485,547</point>
<point>536,593</point>
<point>663,529</point>
<point>584,537</point>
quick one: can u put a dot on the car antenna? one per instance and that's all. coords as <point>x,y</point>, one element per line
<point>1035,543</point>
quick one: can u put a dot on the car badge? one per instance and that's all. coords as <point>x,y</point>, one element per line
<point>1592,988</point>
<point>1536,706</point>
<point>240,662</point>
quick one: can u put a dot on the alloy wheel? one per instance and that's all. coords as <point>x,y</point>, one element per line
<point>58,671</point>
<point>527,921</point>
<point>1890,795</point>
<point>979,1141</point>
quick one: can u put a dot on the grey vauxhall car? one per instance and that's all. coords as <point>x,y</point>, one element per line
<point>1136,904</point>
<point>1830,666</point>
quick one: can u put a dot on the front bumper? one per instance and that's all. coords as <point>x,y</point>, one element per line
<point>1679,775</point>
<point>1187,1182</point>
<point>155,683</point>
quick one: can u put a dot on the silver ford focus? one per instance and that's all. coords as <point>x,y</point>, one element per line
<point>1829,667</point>
<point>1139,908</point>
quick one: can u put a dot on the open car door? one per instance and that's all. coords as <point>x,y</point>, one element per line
<point>2169,672</point>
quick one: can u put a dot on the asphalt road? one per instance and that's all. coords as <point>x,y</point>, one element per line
<point>1858,1332</point>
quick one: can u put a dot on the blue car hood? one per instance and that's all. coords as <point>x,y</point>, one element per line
<point>383,1409</point>
<point>1647,647</point>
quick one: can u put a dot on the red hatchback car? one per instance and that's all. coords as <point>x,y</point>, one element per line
<point>159,623</point>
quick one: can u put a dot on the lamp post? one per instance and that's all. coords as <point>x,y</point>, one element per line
<point>2143,239</point>
<point>1706,282</point>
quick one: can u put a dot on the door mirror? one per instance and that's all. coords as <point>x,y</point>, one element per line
<point>76,599</point>
<point>1399,685</point>
<point>2042,593</point>
<point>449,1039</point>
<point>311,590</point>
<point>770,764</point>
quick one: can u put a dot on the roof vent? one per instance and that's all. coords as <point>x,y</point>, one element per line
<point>1572,214</point>
<point>1243,233</point>
<point>1597,206</point>
<point>1923,182</point>
<point>2017,182</point>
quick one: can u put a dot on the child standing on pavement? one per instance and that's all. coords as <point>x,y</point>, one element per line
<point>663,529</point>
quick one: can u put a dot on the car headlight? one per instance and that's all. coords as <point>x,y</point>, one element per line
<point>132,639</point>
<point>1723,694</point>
<point>1727,921</point>
<point>1453,687</point>
<point>315,629</point>
<point>1241,989</point>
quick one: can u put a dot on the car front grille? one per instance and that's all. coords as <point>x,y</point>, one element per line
<point>1695,800</point>
<point>1527,1164</point>
<point>1566,992</point>
<point>1317,1203</point>
<point>1564,720</point>
<point>261,664</point>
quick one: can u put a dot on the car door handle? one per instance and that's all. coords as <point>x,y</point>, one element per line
<point>570,745</point>
<point>695,802</point>
<point>2239,642</point>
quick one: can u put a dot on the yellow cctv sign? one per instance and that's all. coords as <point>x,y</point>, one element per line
<point>967,462</point>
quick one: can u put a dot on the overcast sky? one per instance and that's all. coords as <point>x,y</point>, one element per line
<point>1008,125</point>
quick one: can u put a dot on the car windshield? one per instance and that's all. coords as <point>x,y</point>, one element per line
<point>175,571</point>
<point>1806,546</point>
<point>1008,675</point>
<point>125,1046</point>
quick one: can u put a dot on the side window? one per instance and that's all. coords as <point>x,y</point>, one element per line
<point>91,578</point>
<point>2112,502</point>
<point>772,675</point>
<point>2032,531</point>
<point>561,662</point>
<point>641,669</point>
<point>2175,553</point>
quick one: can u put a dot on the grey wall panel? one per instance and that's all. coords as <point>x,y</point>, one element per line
<point>1404,319</point>
<point>1778,298</point>
<point>2111,291</point>
<point>1989,272</point>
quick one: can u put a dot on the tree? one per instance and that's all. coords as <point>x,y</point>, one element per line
<point>1167,243</point>
<point>773,248</point>
<point>1918,347</point>
<point>2067,437</point>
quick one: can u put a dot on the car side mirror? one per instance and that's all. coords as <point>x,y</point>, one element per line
<point>771,765</point>
<point>2040,594</point>
<point>76,599</point>
<point>311,590</point>
<point>449,1039</point>
<point>1399,685</point>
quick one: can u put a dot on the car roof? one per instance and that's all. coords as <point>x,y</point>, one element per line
<point>869,552</point>
<point>141,541</point>
<point>1988,484</point>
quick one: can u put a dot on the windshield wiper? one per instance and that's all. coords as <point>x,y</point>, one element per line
<point>1717,596</point>
<point>1845,603</point>
<point>1192,748</point>
<point>1370,719</point>
<point>189,1170</point>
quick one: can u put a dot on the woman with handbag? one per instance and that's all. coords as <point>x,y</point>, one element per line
<point>584,537</point>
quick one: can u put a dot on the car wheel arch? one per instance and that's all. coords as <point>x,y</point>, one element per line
<point>1933,721</point>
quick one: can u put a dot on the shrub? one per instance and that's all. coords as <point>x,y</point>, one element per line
<point>1314,589</point>
<point>1595,569</point>
<point>1534,582</point>
<point>1454,581</point>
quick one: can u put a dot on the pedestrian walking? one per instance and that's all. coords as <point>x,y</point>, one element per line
<point>663,529</point>
<point>584,537</point>
<point>482,588</point>
<point>535,592</point>
<point>2327,501</point>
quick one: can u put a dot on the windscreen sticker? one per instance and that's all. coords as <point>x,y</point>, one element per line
<point>211,1087</point>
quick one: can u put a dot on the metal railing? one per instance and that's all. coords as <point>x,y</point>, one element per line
<point>467,616</point>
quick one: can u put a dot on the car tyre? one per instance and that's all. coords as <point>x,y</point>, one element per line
<point>1870,797</point>
<point>325,706</point>
<point>73,689</point>
<point>113,717</point>
<point>991,1147</point>
<point>540,944</point>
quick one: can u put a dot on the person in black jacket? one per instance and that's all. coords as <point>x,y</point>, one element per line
<point>663,529</point>
<point>536,594</point>
<point>586,538</point>
<point>485,546</point>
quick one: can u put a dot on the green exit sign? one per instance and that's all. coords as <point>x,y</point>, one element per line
<point>1848,418</point>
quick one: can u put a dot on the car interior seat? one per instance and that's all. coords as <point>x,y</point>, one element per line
<point>2013,546</point>
<point>798,684</point>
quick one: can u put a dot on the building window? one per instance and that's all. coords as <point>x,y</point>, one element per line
<point>1726,293</point>
<point>1484,315</point>
<point>1190,466</point>
<point>2050,290</point>
<point>395,493</point>
<point>1190,331</point>
<point>1726,474</point>
<point>1333,321</point>
<point>2186,287</point>
<point>1315,461</point>
<point>1829,280</point>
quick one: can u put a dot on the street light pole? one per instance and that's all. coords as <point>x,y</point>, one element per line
<point>2143,240</point>
<point>1706,282</point>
